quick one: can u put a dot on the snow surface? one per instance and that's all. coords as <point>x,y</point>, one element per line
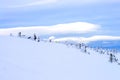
<point>22,59</point>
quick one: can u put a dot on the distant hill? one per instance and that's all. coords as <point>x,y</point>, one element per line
<point>107,44</point>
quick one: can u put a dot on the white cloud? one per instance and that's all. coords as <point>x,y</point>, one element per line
<point>94,38</point>
<point>24,3</point>
<point>28,3</point>
<point>76,27</point>
<point>89,39</point>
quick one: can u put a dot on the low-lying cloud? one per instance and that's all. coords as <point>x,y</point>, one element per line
<point>69,28</point>
<point>88,39</point>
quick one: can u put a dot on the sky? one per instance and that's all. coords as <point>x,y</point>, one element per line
<point>27,13</point>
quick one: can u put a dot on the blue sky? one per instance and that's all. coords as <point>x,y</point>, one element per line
<point>52,12</point>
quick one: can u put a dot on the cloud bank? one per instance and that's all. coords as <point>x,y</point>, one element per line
<point>89,39</point>
<point>69,28</point>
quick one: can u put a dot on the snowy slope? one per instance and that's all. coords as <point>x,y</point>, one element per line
<point>22,59</point>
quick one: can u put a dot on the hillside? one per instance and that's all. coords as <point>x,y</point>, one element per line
<point>22,59</point>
